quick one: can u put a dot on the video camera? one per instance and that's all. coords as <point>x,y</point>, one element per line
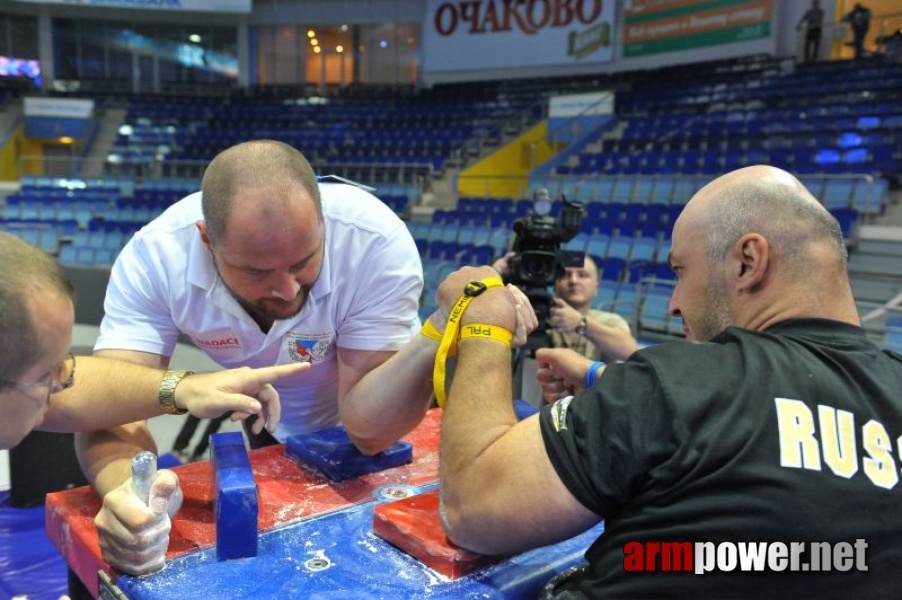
<point>539,260</point>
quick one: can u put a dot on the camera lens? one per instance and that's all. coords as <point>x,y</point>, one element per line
<point>538,267</point>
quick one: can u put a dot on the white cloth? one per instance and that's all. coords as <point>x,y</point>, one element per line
<point>366,298</point>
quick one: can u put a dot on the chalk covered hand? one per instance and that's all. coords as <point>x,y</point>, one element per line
<point>134,536</point>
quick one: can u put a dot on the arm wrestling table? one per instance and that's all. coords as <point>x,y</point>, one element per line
<point>315,538</point>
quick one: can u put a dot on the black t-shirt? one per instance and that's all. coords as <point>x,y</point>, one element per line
<point>735,440</point>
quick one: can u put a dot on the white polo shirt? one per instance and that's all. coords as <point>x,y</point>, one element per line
<point>366,298</point>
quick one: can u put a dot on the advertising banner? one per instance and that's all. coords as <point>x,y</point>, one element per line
<point>464,35</point>
<point>659,26</point>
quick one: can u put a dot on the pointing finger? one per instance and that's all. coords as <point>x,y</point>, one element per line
<point>274,373</point>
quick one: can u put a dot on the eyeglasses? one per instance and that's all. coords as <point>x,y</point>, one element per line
<point>63,380</point>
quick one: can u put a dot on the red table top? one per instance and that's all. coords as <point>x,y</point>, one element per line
<point>287,492</point>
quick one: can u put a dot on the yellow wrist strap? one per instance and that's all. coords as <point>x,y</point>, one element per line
<point>449,338</point>
<point>430,331</point>
<point>485,331</point>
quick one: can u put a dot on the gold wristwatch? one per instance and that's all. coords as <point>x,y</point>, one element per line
<point>167,391</point>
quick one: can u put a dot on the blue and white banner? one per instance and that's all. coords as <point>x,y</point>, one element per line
<point>571,113</point>
<point>75,108</point>
<point>581,105</point>
<point>47,118</point>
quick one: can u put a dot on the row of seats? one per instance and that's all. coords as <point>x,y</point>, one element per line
<point>87,226</point>
<point>825,117</point>
<point>416,130</point>
<point>864,160</point>
<point>770,82</point>
<point>75,256</point>
<point>599,220</point>
<point>81,212</point>
<point>868,195</point>
<point>89,184</point>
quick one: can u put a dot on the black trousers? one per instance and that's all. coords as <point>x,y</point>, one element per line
<point>812,44</point>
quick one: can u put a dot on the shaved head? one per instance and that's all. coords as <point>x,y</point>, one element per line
<point>268,168</point>
<point>754,247</point>
<point>768,201</point>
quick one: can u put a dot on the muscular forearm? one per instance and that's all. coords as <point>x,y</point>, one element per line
<point>480,393</point>
<point>390,400</point>
<point>105,456</point>
<point>614,343</point>
<point>478,415</point>
<point>96,400</point>
<point>498,484</point>
<point>124,380</point>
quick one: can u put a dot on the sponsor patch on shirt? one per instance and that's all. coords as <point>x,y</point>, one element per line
<point>559,413</point>
<point>308,347</point>
<point>217,341</point>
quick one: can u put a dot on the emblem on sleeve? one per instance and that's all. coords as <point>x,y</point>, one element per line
<point>559,413</point>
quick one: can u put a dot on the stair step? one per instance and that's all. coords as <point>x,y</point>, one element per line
<point>879,264</point>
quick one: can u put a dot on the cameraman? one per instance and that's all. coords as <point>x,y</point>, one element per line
<point>573,323</point>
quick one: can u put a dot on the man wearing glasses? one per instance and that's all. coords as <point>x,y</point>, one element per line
<point>56,382</point>
<point>38,373</point>
<point>40,390</point>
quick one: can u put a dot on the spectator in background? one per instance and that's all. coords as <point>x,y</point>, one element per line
<point>813,21</point>
<point>573,323</point>
<point>595,334</point>
<point>894,47</point>
<point>859,18</point>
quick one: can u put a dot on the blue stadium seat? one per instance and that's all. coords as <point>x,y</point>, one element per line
<point>662,191</point>
<point>623,190</point>
<point>847,219</point>
<point>67,255</point>
<point>625,303</point>
<point>422,246</point>
<point>598,245</point>
<point>643,249</point>
<point>653,310</point>
<point>838,193</point>
<point>610,268</point>
<point>620,247</point>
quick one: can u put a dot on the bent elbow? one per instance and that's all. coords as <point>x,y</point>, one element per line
<point>461,530</point>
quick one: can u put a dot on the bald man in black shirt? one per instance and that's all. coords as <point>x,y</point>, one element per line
<point>762,454</point>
